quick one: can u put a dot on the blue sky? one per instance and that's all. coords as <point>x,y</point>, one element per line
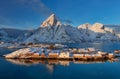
<point>28,14</point>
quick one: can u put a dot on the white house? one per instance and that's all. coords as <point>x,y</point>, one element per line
<point>64,55</point>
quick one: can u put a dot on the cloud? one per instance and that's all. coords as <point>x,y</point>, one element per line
<point>36,5</point>
<point>67,21</point>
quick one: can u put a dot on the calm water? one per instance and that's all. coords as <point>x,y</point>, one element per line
<point>36,69</point>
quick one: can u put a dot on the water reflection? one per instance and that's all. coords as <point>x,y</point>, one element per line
<point>24,62</point>
<point>29,62</point>
<point>59,69</point>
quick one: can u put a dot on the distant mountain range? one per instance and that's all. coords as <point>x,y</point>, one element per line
<point>53,31</point>
<point>13,35</point>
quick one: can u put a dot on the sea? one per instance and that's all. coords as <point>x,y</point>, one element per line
<point>55,69</point>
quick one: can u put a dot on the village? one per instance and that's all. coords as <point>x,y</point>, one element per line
<point>58,52</point>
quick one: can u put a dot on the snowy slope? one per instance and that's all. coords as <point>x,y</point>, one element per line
<point>4,36</point>
<point>98,32</point>
<point>116,29</point>
<point>51,31</point>
<point>51,21</point>
<point>11,35</point>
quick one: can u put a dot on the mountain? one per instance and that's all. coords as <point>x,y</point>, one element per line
<point>87,34</point>
<point>51,21</point>
<point>53,31</point>
<point>3,36</point>
<point>84,26</point>
<point>115,29</point>
<point>98,32</point>
<point>13,35</point>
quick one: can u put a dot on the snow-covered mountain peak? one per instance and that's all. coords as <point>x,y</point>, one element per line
<point>84,26</point>
<point>51,21</point>
<point>98,26</point>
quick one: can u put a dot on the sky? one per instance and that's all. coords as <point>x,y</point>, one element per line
<point>29,14</point>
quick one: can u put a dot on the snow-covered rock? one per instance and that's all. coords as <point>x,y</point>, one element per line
<point>98,27</point>
<point>13,35</point>
<point>51,21</point>
<point>50,35</point>
<point>3,34</point>
<point>17,53</point>
<point>86,34</point>
<point>29,52</point>
<point>53,31</point>
<point>97,32</point>
<point>115,29</point>
<point>84,26</point>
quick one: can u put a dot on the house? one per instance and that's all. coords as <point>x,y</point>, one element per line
<point>43,55</point>
<point>97,56</point>
<point>78,55</point>
<point>64,55</point>
<point>110,55</point>
<point>35,55</point>
<point>53,55</point>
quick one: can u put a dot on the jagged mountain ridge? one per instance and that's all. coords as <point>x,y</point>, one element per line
<point>50,31</point>
<point>99,32</point>
<point>53,31</point>
<point>51,21</point>
<point>13,35</point>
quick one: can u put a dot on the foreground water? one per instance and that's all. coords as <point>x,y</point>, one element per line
<point>36,69</point>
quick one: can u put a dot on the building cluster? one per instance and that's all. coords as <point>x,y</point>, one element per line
<point>66,54</point>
